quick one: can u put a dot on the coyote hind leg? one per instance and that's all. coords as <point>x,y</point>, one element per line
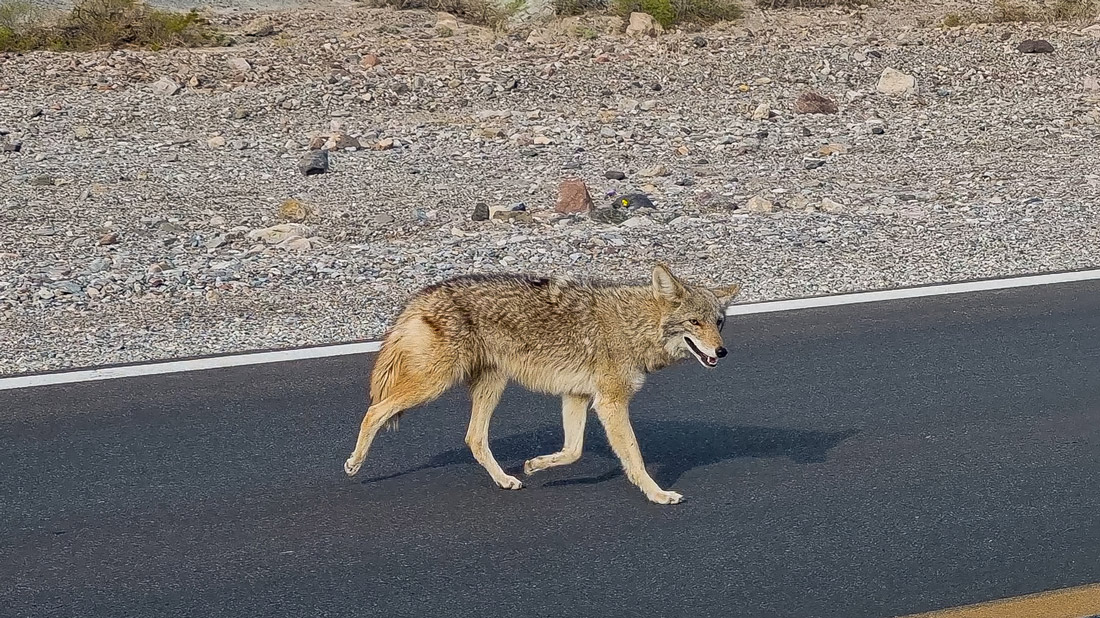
<point>409,389</point>
<point>373,420</point>
<point>574,413</point>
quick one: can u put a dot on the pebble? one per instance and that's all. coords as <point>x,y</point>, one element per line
<point>1035,46</point>
<point>313,163</point>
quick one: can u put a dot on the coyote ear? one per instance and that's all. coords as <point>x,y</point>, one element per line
<point>665,284</point>
<point>727,293</point>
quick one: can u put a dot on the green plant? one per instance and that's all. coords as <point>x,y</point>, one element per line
<point>669,12</point>
<point>952,20</point>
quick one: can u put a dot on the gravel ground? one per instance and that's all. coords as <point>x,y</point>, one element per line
<point>132,220</point>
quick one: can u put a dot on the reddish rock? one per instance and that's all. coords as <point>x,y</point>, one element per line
<point>573,197</point>
<point>810,102</point>
<point>370,61</point>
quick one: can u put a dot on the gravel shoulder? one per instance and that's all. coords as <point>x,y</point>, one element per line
<point>132,220</point>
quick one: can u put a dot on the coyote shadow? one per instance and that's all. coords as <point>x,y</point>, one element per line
<point>669,448</point>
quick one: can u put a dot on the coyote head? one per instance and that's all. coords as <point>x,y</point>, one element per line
<point>694,316</point>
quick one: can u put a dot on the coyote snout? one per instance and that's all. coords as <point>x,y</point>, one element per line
<point>591,343</point>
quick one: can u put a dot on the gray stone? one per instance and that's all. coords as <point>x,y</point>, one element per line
<point>609,214</point>
<point>314,162</point>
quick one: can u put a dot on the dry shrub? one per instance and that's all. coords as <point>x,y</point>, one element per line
<point>1021,11</point>
<point>813,4</point>
<point>477,12</point>
<point>101,24</point>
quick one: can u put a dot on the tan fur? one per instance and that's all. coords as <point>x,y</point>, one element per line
<point>590,343</point>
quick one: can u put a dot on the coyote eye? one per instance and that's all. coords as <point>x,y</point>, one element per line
<point>694,322</point>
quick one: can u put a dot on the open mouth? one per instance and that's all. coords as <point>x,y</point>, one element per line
<point>708,361</point>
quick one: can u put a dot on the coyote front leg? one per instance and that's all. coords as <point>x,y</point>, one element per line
<point>485,391</point>
<point>613,413</point>
<point>574,413</point>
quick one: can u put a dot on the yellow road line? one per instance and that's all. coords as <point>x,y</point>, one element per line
<point>1077,602</point>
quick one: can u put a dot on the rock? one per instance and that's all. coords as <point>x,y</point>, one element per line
<point>261,26</point>
<point>384,144</point>
<point>166,87</point>
<point>446,21</point>
<point>218,241</point>
<point>877,130</point>
<point>215,142</point>
<point>829,206</point>
<point>313,163</point>
<point>241,113</point>
<point>240,65</point>
<point>295,243</point>
<point>759,204</point>
<point>829,150</point>
<point>810,102</point>
<point>110,238</point>
<point>42,181</point>
<point>513,212</point>
<point>573,197</point>
<point>481,212</point>
<point>648,105</point>
<point>628,105</point>
<point>82,133</point>
<point>1035,46</point>
<point>637,222</point>
<point>1093,30</point>
<point>294,210</point>
<point>762,112</point>
<point>609,214</point>
<point>340,141</point>
<point>6,146</point>
<point>634,201</point>
<point>614,175</point>
<point>699,41</point>
<point>67,287</point>
<point>643,24</point>
<point>369,61</point>
<point>894,82</point>
<point>813,164</point>
<point>656,170</point>
<point>278,233</point>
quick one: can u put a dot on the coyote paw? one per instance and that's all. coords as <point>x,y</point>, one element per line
<point>351,468</point>
<point>533,465</point>
<point>665,497</point>
<point>510,482</point>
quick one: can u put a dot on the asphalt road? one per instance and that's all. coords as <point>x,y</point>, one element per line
<point>858,461</point>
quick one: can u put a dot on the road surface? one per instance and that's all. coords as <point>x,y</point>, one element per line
<point>855,461</point>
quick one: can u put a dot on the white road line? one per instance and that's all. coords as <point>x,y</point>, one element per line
<point>260,358</point>
<point>932,290</point>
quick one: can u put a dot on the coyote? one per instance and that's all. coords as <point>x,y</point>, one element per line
<point>590,342</point>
